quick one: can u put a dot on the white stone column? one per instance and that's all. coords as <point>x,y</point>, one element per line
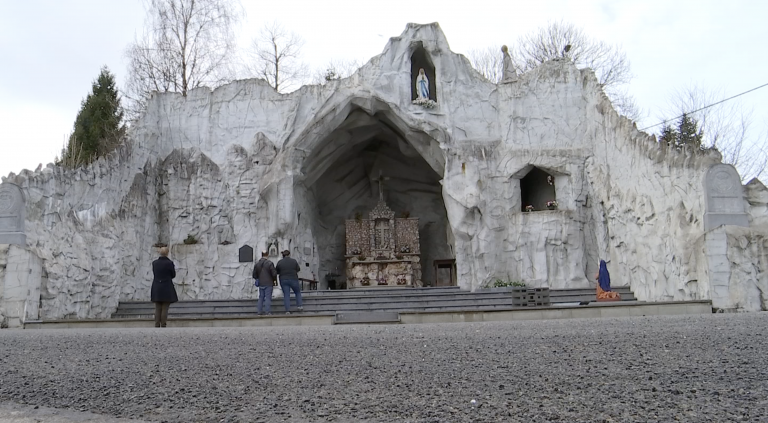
<point>21,284</point>
<point>718,268</point>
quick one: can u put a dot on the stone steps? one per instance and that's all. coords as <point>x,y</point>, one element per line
<point>366,318</point>
<point>381,300</point>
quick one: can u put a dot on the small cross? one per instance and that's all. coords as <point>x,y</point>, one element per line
<point>381,180</point>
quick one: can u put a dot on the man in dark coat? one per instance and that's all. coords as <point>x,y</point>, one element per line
<point>288,269</point>
<point>163,292</point>
<point>265,274</point>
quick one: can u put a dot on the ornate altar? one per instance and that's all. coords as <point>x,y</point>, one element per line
<point>382,250</point>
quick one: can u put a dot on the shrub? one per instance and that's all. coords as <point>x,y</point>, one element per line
<point>499,283</point>
<point>190,240</point>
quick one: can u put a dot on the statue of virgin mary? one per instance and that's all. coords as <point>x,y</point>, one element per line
<point>422,85</point>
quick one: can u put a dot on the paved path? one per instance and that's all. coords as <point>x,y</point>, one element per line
<point>17,413</point>
<point>687,368</point>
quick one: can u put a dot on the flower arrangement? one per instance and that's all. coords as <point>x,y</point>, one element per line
<point>529,208</point>
<point>382,281</point>
<point>401,280</point>
<point>365,281</point>
<point>500,283</point>
<point>425,102</point>
<point>552,204</point>
<point>405,249</point>
<point>356,251</point>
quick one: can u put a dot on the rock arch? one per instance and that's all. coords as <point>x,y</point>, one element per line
<point>337,175</point>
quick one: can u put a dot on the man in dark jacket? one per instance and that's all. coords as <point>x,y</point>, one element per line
<point>163,293</point>
<point>264,272</point>
<point>288,269</point>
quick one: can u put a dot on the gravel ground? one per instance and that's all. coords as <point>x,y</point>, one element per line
<point>707,368</point>
<point>15,413</point>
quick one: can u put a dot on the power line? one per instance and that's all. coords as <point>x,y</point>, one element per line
<point>705,107</point>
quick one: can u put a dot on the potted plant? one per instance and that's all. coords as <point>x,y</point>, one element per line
<point>528,208</point>
<point>552,204</point>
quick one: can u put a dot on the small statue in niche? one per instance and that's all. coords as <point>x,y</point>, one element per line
<point>508,68</point>
<point>422,85</point>
<point>272,249</point>
<point>422,91</point>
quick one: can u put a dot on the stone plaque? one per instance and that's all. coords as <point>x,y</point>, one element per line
<point>725,198</point>
<point>246,254</point>
<point>12,214</point>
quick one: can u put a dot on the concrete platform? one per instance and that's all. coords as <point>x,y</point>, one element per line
<point>592,310</point>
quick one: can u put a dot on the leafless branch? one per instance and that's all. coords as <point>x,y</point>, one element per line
<point>549,43</point>
<point>275,55</point>
<point>609,62</point>
<point>489,62</point>
<point>726,127</point>
<point>187,44</point>
<point>335,69</point>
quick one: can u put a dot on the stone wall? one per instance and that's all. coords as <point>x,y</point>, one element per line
<point>240,165</point>
<point>736,260</point>
<point>407,235</point>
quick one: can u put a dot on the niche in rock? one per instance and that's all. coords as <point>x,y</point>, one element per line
<point>420,60</point>
<point>536,189</point>
<point>341,177</point>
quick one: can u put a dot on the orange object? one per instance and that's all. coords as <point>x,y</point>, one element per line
<point>607,295</point>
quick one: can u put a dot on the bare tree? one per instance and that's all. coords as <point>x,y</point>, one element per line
<point>726,127</point>
<point>560,40</point>
<point>625,103</point>
<point>276,53</point>
<point>335,69</point>
<point>488,62</point>
<point>186,44</point>
<point>564,40</point>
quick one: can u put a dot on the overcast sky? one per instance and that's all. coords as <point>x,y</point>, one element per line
<point>51,50</point>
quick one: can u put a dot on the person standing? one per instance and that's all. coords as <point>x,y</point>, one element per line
<point>163,291</point>
<point>288,269</point>
<point>265,274</point>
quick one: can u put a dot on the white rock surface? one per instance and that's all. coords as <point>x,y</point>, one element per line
<point>243,164</point>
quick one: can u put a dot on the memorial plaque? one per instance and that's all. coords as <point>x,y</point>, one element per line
<point>12,214</point>
<point>725,198</point>
<point>246,254</point>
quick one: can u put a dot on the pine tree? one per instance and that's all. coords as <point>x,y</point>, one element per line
<point>98,126</point>
<point>688,132</point>
<point>668,136</point>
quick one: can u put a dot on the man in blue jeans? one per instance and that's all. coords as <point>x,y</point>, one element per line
<point>288,269</point>
<point>264,272</point>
